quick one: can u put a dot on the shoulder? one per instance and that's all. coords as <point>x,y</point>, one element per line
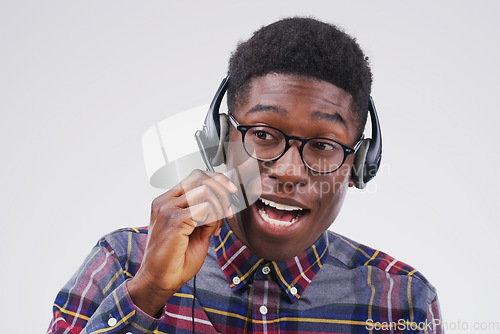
<point>353,255</point>
<point>126,244</point>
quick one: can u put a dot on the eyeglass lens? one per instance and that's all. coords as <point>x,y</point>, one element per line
<point>267,144</point>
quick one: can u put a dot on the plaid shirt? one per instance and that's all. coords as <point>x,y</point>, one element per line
<point>335,286</point>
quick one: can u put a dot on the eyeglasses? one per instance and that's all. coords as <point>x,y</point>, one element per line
<point>265,143</point>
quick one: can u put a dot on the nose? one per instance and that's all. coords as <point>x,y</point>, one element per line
<point>289,170</point>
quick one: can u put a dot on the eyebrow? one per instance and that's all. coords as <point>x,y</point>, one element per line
<point>330,117</point>
<point>275,109</point>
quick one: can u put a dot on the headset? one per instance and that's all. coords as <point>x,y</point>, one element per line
<point>215,132</point>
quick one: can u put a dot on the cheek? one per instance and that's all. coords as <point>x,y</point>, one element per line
<point>329,188</point>
<point>235,153</point>
<point>331,195</point>
<point>243,169</point>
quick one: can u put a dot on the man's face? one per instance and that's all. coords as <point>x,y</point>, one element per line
<point>274,227</point>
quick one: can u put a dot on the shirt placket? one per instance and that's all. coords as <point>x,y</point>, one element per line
<point>265,302</point>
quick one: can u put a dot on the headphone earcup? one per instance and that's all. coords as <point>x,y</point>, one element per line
<point>358,166</point>
<point>220,156</point>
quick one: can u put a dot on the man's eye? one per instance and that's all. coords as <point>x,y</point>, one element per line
<point>324,146</point>
<point>263,135</point>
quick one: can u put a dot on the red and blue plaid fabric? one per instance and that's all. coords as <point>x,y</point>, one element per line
<point>335,286</point>
<point>239,263</point>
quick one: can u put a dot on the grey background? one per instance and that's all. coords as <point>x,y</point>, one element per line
<point>81,81</point>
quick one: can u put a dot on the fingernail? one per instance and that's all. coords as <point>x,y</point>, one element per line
<point>232,187</point>
<point>230,212</point>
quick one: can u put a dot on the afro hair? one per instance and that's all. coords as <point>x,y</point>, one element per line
<point>303,47</point>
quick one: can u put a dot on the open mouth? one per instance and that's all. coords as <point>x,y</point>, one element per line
<point>278,214</point>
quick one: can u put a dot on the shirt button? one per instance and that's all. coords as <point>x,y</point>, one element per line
<point>293,290</point>
<point>266,270</point>
<point>111,322</point>
<point>236,280</point>
<point>263,310</point>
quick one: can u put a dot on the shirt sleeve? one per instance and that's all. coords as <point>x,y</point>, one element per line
<point>435,325</point>
<point>96,299</point>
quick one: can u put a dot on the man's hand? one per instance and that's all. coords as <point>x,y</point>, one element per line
<point>176,247</point>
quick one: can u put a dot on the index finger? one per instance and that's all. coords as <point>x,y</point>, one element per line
<point>223,179</point>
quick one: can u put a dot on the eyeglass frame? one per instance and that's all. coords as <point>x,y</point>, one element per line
<point>243,129</point>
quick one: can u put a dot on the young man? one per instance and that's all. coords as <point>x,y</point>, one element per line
<point>298,97</point>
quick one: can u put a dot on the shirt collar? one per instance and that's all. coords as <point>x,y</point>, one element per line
<point>239,264</point>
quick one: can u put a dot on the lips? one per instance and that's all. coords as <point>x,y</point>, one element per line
<point>279,214</point>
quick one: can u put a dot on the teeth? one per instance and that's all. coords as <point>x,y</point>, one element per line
<point>276,222</point>
<point>280,206</point>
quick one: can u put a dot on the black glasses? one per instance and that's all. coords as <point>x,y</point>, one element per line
<point>265,143</point>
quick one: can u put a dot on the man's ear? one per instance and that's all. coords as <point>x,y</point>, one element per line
<point>351,181</point>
